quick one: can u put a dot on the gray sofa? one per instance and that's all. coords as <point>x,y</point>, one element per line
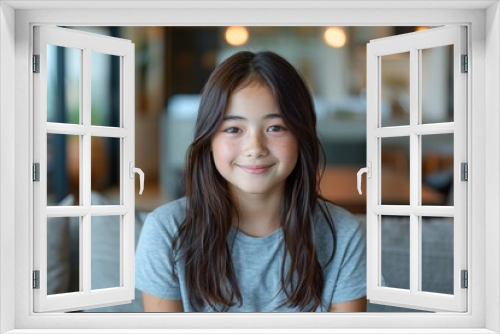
<point>437,264</point>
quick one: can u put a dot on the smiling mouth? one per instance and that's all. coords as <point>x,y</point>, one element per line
<point>256,169</point>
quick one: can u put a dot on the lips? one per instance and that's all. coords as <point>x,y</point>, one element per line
<point>255,169</point>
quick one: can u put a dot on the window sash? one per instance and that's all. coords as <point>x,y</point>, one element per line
<point>413,43</point>
<point>86,297</point>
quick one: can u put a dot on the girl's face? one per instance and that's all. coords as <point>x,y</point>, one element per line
<point>253,149</point>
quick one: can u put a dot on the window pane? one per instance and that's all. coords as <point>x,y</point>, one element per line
<point>105,89</point>
<point>105,168</point>
<point>437,169</point>
<point>395,89</point>
<point>105,245</point>
<point>437,84</point>
<point>63,84</point>
<point>437,254</point>
<point>395,238</point>
<point>395,171</point>
<point>63,169</point>
<point>63,255</point>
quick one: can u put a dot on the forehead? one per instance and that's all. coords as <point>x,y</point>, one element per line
<point>255,97</point>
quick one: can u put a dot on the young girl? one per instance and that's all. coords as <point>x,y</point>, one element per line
<point>253,234</point>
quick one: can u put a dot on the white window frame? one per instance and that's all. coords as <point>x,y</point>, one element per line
<point>413,45</point>
<point>16,216</point>
<point>86,43</point>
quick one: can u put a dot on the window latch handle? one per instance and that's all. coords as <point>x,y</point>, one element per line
<point>138,171</point>
<point>368,171</point>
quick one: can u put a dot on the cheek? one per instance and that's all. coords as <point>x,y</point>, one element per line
<point>288,151</point>
<point>222,151</point>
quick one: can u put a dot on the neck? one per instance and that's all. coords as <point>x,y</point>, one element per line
<point>258,213</point>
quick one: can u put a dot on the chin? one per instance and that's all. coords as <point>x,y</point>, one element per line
<point>253,190</point>
<point>257,187</point>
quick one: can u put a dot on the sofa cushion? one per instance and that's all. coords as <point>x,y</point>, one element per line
<point>58,236</point>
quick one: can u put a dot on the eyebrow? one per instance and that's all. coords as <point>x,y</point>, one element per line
<point>236,117</point>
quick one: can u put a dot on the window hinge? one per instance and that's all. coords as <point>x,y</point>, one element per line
<point>464,172</point>
<point>465,63</point>
<point>465,279</point>
<point>36,279</point>
<point>36,63</point>
<point>36,172</point>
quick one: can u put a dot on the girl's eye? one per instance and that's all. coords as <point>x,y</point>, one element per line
<point>276,128</point>
<point>232,130</point>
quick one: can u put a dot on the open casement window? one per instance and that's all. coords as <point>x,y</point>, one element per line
<point>435,120</point>
<point>66,124</point>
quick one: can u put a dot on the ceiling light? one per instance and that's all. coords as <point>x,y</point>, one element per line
<point>236,35</point>
<point>335,37</point>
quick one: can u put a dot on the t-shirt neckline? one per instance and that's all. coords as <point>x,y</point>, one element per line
<point>243,237</point>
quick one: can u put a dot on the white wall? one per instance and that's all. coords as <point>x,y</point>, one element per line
<point>492,157</point>
<point>380,321</point>
<point>7,160</point>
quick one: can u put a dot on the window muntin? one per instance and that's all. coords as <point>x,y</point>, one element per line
<point>78,205</point>
<point>416,209</point>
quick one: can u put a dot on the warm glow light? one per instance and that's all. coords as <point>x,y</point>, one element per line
<point>236,35</point>
<point>335,37</point>
<point>421,28</point>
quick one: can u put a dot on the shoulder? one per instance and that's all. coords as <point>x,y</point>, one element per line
<point>172,209</point>
<point>349,243</point>
<point>345,223</point>
<point>168,217</point>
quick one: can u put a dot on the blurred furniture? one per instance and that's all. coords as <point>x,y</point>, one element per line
<point>339,185</point>
<point>151,198</point>
<point>433,162</point>
<point>177,132</point>
<point>395,160</point>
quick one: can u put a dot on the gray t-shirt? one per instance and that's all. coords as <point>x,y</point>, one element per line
<point>256,261</point>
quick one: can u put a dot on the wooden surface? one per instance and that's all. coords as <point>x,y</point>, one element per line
<point>151,197</point>
<point>339,184</point>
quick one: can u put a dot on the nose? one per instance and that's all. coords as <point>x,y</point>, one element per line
<point>255,145</point>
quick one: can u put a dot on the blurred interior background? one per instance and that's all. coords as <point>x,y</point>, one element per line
<point>172,65</point>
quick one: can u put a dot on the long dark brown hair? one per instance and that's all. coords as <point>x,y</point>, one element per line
<point>202,237</point>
